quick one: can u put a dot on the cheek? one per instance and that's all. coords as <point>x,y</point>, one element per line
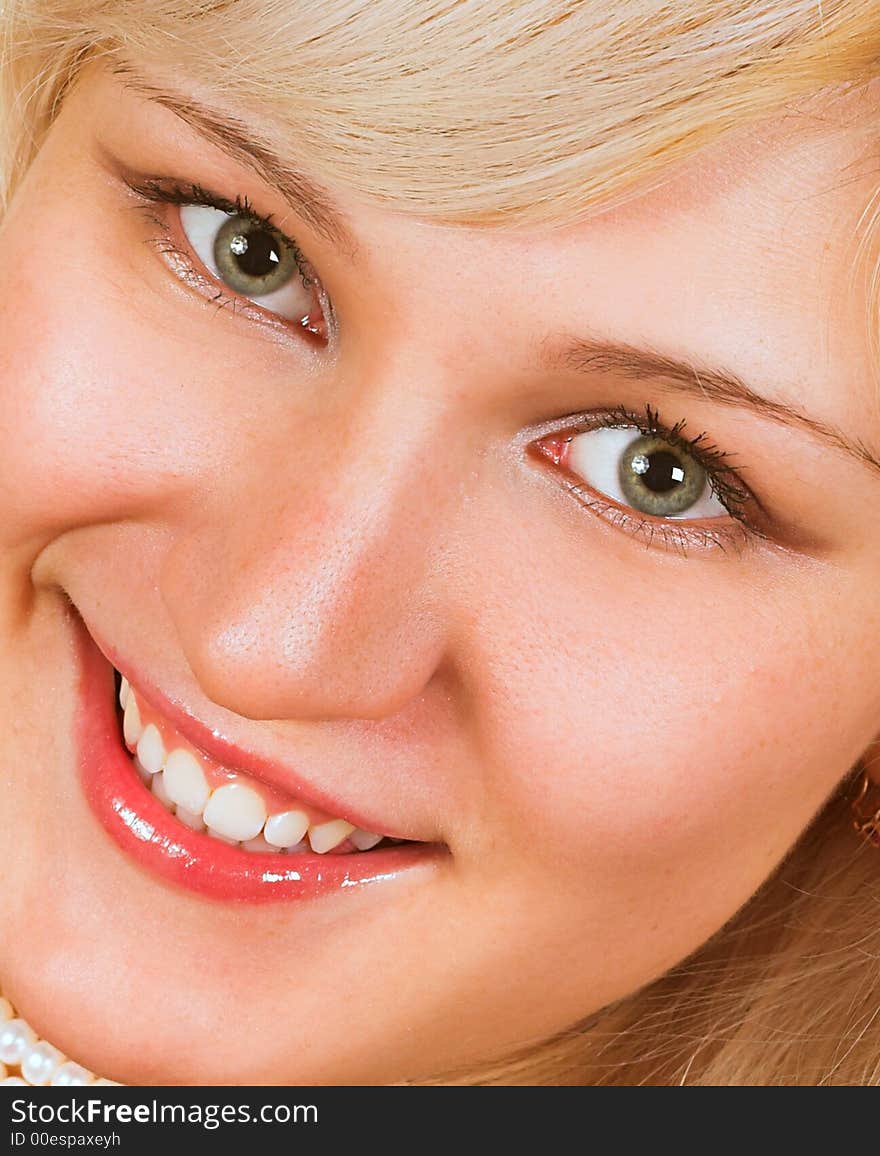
<point>125,394</point>
<point>79,435</point>
<point>654,720</point>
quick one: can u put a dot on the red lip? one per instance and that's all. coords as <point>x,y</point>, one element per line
<point>150,834</point>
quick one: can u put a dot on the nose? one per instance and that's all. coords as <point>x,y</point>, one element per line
<point>313,587</point>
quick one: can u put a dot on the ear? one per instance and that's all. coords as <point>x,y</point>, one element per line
<point>870,761</point>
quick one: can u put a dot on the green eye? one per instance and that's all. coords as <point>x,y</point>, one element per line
<point>644,472</point>
<point>249,257</point>
<point>659,479</point>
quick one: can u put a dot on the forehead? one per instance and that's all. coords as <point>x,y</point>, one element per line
<point>766,216</point>
<point>751,248</point>
<point>742,256</point>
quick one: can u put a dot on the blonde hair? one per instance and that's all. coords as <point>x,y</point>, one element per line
<point>518,112</point>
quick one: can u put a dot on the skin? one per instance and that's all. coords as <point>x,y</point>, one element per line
<point>345,557</point>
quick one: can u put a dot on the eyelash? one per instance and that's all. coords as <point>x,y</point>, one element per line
<point>675,535</point>
<point>167,191</point>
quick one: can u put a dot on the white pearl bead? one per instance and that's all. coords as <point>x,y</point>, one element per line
<point>38,1060</point>
<point>40,1063</point>
<point>15,1038</point>
<point>71,1074</point>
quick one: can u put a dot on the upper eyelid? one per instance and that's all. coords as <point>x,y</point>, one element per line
<point>681,377</point>
<point>236,140</point>
<point>169,190</point>
<point>718,463</point>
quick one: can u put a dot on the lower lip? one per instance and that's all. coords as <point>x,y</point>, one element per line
<point>150,835</point>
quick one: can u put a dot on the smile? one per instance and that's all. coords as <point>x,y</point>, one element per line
<point>194,810</point>
<point>231,806</point>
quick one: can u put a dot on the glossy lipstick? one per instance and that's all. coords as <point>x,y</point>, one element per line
<point>149,834</point>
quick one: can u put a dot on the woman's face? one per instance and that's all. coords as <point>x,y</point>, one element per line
<point>445,564</point>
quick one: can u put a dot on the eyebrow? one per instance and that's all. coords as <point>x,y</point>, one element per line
<point>591,356</point>
<point>235,138</point>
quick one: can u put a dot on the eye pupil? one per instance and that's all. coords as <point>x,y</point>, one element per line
<point>659,471</point>
<point>255,253</point>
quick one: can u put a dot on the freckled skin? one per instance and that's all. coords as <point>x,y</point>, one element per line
<point>346,560</point>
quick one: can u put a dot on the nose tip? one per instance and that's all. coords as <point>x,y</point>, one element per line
<point>326,610</point>
<point>332,663</point>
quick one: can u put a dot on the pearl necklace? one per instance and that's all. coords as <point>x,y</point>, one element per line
<point>36,1062</point>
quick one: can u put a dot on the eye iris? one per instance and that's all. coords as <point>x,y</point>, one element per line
<point>256,255</point>
<point>252,259</point>
<point>659,479</point>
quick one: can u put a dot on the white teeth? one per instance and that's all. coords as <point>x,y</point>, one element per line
<point>364,840</point>
<point>236,811</point>
<point>151,750</point>
<point>185,780</point>
<point>158,786</point>
<point>131,723</point>
<point>286,829</point>
<point>325,836</point>
<point>191,819</point>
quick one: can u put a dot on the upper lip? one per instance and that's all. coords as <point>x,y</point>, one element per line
<point>216,746</point>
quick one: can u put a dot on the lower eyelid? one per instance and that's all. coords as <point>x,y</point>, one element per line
<point>672,533</point>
